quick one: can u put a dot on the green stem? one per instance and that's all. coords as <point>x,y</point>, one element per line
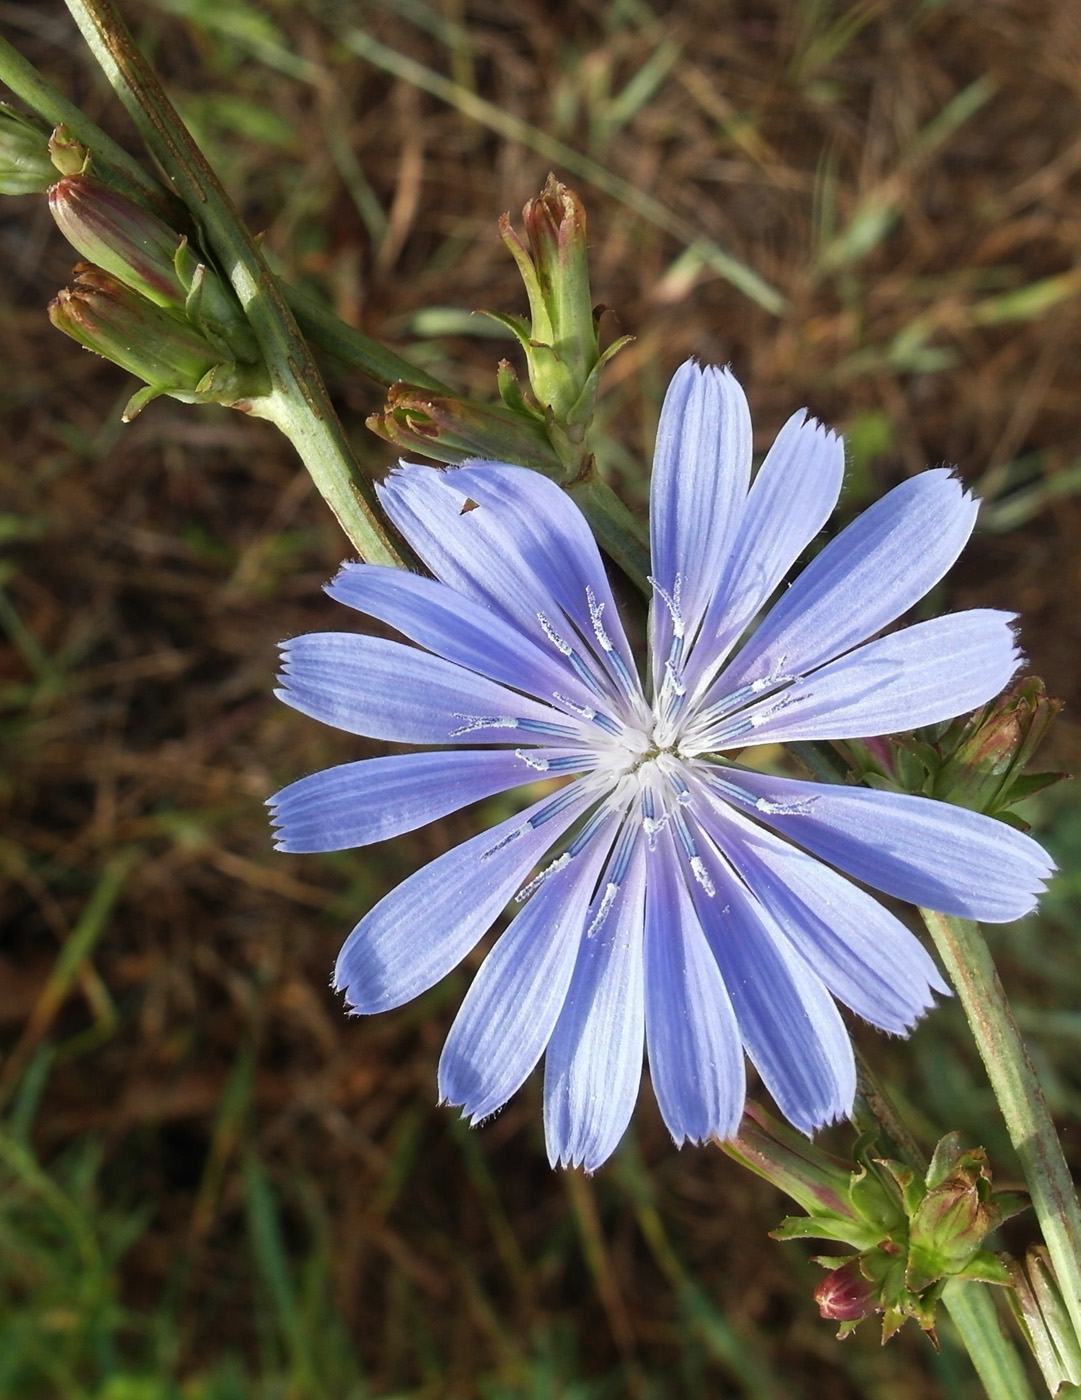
<point>998,1365</point>
<point>353,347</point>
<point>968,962</point>
<point>112,162</point>
<point>619,532</point>
<point>122,171</point>
<point>298,404</point>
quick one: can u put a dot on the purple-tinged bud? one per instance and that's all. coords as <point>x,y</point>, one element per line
<point>455,430</point>
<point>112,320</point>
<point>113,232</point>
<point>845,1295</point>
<point>984,757</point>
<point>851,1203</point>
<point>25,167</point>
<point>157,346</point>
<point>814,1179</point>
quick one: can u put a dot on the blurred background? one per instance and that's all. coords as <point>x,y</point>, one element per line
<point>213,1185</point>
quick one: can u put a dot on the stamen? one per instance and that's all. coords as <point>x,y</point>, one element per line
<point>587,833</point>
<point>514,835</point>
<point>798,807</point>
<point>578,666</point>
<point>671,602</point>
<point>531,726</point>
<point>563,798</point>
<point>628,681</point>
<point>622,858</point>
<point>701,874</point>
<point>475,722</point>
<point>683,792</point>
<point>572,763</point>
<point>540,765</point>
<point>560,863</point>
<point>544,726</point>
<point>607,900</point>
<point>595,612</point>
<point>583,711</point>
<point>673,681</point>
<point>554,637</point>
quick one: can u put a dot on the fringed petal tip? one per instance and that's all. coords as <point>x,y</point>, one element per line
<point>574,1159</point>
<point>721,1133</point>
<point>345,570</point>
<point>473,1117</point>
<point>814,1122</point>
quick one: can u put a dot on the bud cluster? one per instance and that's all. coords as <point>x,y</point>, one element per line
<point>977,761</point>
<point>543,423</point>
<point>909,1234</point>
<point>143,297</point>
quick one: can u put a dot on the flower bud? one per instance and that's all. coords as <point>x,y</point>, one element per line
<point>25,167</point>
<point>154,344</point>
<point>956,1213</point>
<point>912,1232</point>
<point>138,249</point>
<point>977,761</point>
<point>113,232</point>
<point>560,339</point>
<point>109,318</point>
<point>845,1295</point>
<point>985,757</point>
<point>456,430</point>
<point>843,1201</point>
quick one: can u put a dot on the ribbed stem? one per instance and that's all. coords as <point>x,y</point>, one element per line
<point>962,948</point>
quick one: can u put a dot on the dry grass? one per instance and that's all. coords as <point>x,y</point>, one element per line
<point>907,177</point>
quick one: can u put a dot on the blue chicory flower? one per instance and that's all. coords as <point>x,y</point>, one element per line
<point>695,906</point>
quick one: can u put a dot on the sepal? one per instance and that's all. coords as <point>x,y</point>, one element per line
<point>25,167</point>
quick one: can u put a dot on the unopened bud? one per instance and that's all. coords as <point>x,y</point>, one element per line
<point>857,1206</point>
<point>25,167</point>
<point>985,757</point>
<point>457,430</point>
<point>845,1295</point>
<point>112,320</point>
<point>68,155</point>
<point>156,345</point>
<point>560,339</point>
<point>138,249</point>
<point>957,1211</point>
<point>113,232</point>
